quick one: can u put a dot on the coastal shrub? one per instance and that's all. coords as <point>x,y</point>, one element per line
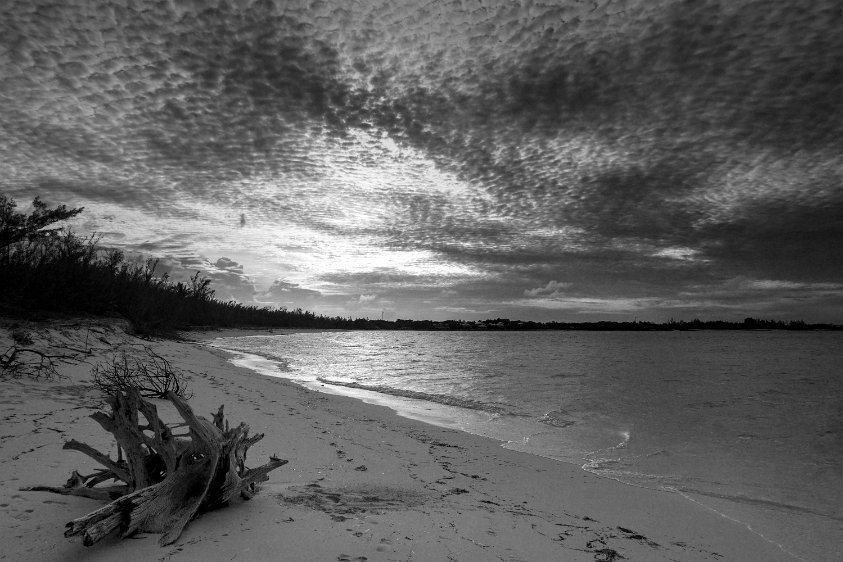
<point>150,374</point>
<point>49,270</point>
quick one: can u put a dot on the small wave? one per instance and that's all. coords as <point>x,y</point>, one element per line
<point>619,471</point>
<point>762,502</point>
<point>226,344</point>
<point>626,435</point>
<point>437,398</point>
<point>622,464</point>
<point>557,418</point>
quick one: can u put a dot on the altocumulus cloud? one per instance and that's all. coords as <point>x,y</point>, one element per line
<point>527,159</point>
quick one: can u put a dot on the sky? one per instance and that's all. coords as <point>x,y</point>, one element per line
<point>457,159</point>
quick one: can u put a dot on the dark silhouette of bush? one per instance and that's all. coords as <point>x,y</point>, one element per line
<point>149,373</point>
<point>16,226</point>
<point>51,270</point>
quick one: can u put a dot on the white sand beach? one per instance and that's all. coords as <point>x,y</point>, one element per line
<point>362,483</point>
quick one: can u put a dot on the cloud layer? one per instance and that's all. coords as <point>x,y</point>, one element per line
<point>543,160</point>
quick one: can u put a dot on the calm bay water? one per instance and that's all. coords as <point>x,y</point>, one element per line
<point>748,424</point>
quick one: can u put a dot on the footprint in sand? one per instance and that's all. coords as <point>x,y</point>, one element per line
<point>357,501</point>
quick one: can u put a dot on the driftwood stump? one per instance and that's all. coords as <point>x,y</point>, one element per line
<point>167,479</point>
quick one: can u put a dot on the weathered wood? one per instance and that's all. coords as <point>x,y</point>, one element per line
<point>117,469</point>
<point>169,480</point>
<point>83,486</point>
<point>102,494</point>
<point>219,418</point>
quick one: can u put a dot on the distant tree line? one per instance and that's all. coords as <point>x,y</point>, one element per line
<point>47,270</point>
<point>605,326</point>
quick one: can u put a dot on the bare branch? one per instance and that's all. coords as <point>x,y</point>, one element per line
<point>118,470</point>
<point>18,362</point>
<point>148,372</point>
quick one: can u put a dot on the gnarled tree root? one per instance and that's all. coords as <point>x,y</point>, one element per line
<point>168,479</point>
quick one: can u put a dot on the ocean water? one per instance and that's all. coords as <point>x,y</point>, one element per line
<point>747,424</point>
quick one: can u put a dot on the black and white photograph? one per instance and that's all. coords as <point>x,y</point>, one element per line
<point>421,280</point>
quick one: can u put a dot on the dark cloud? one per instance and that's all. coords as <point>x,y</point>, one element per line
<point>229,280</point>
<point>781,240</point>
<point>640,201</point>
<point>228,265</point>
<point>290,294</point>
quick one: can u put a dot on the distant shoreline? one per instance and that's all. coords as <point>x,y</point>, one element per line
<point>527,326</point>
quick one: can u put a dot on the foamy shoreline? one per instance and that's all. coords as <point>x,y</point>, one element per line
<point>362,482</point>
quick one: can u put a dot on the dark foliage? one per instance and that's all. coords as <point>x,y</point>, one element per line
<point>16,226</point>
<point>69,274</point>
<point>56,271</point>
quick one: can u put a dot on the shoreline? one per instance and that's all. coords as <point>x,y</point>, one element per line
<point>398,405</point>
<point>362,483</point>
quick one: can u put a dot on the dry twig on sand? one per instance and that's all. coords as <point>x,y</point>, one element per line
<point>19,362</point>
<point>167,479</point>
<point>22,359</point>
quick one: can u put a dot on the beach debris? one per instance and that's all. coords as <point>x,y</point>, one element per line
<point>167,479</point>
<point>632,535</point>
<point>607,555</point>
<point>38,356</point>
<point>148,372</point>
<point>17,362</point>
